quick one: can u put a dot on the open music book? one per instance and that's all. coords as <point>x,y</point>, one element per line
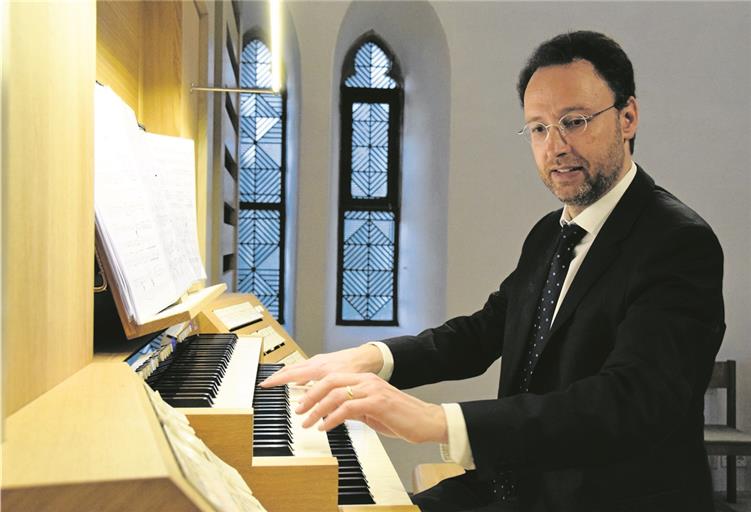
<point>144,199</point>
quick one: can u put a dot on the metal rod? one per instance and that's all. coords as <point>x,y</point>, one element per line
<point>232,89</point>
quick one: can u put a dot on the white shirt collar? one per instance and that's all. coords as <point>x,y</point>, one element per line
<point>594,216</point>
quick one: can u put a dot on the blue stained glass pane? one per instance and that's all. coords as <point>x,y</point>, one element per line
<point>255,65</point>
<point>259,256</point>
<point>260,148</point>
<point>258,262</point>
<point>368,266</point>
<point>260,185</point>
<point>371,69</point>
<point>370,149</point>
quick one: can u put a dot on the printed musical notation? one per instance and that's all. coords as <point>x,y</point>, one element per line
<point>144,199</point>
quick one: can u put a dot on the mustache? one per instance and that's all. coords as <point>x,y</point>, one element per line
<point>559,163</point>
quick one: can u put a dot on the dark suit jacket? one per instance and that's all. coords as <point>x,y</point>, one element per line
<point>613,420</point>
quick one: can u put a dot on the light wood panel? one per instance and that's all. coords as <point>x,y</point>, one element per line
<point>119,48</point>
<point>294,484</point>
<point>224,142</point>
<point>204,128</point>
<point>92,443</point>
<point>3,59</point>
<point>48,222</point>
<point>227,432</point>
<point>148,53</point>
<point>209,322</point>
<point>161,78</point>
<point>190,51</point>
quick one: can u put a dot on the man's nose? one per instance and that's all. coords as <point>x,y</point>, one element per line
<point>556,142</point>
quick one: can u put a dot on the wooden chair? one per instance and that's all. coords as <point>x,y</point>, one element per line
<point>727,439</point>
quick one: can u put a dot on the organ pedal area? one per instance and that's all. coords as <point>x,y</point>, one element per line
<point>182,425</point>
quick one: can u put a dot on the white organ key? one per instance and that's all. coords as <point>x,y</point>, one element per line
<point>236,390</point>
<point>383,481</point>
<point>306,442</point>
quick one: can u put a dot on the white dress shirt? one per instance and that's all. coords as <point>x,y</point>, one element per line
<point>591,219</point>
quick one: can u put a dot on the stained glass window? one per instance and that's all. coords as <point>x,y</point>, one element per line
<point>372,66</point>
<point>369,203</point>
<point>368,271</point>
<point>260,237</point>
<point>370,148</point>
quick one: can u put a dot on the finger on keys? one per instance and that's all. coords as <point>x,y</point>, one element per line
<point>347,410</point>
<point>326,395</point>
<point>336,400</point>
<point>298,373</point>
<point>325,386</point>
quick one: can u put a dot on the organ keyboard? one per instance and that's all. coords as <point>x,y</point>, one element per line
<point>290,468</point>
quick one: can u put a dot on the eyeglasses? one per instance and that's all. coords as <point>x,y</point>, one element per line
<point>568,125</point>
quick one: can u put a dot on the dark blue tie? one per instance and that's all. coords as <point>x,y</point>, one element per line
<point>503,488</point>
<point>570,235</point>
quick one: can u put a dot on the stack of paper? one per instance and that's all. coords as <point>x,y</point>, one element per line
<point>144,198</point>
<point>217,481</point>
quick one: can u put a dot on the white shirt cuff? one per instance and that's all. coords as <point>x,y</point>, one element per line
<point>388,360</point>
<point>458,449</point>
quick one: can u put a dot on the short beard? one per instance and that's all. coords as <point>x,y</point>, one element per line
<point>595,187</point>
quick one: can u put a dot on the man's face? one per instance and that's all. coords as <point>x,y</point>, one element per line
<point>578,168</point>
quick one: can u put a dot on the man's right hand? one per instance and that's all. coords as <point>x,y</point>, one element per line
<point>362,359</point>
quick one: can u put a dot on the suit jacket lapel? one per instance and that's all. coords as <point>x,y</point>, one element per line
<point>605,246</point>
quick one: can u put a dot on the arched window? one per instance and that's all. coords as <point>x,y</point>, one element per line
<point>262,204</point>
<point>369,199</point>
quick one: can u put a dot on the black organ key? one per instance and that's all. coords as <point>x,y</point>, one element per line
<point>353,486</point>
<point>192,375</point>
<point>272,432</point>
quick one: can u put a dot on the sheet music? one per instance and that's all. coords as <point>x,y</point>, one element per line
<point>123,212</point>
<point>171,168</point>
<point>144,229</point>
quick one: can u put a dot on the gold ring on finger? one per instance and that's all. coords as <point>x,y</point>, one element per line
<point>350,394</point>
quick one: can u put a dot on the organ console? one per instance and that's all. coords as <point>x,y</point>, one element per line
<point>93,443</point>
<point>79,430</point>
<point>213,377</point>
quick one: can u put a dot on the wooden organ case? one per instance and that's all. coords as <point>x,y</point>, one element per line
<point>79,430</point>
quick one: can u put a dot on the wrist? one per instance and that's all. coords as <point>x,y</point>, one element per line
<point>370,358</point>
<point>440,423</point>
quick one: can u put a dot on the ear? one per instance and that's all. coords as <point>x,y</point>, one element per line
<point>629,119</point>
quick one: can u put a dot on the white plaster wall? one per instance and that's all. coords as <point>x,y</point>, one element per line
<point>317,26</point>
<point>413,32</point>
